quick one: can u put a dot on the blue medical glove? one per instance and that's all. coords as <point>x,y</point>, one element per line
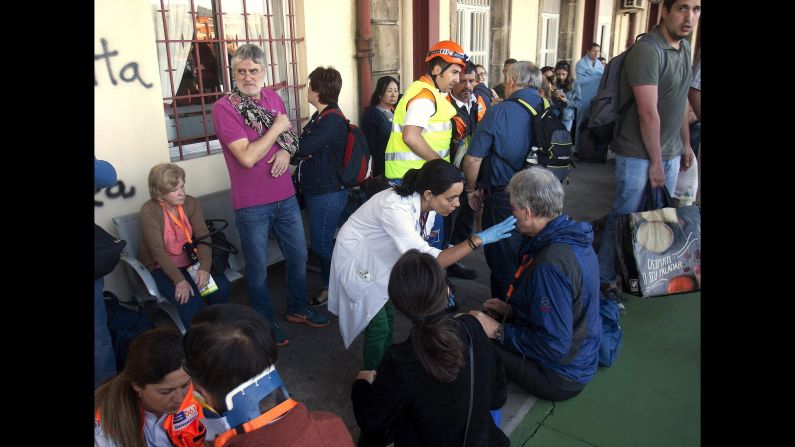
<point>498,232</point>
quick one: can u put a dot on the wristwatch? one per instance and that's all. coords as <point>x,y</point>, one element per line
<point>499,334</point>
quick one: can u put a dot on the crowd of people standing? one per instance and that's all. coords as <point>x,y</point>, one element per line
<point>448,148</point>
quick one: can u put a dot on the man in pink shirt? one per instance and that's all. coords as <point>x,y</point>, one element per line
<point>257,143</point>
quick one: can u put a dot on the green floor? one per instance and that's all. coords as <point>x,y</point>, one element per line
<point>651,396</point>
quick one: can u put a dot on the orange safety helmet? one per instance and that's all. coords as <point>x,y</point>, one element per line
<point>450,51</point>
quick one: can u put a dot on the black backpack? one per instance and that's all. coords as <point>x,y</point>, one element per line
<point>606,107</point>
<point>357,196</point>
<point>551,143</point>
<point>107,251</point>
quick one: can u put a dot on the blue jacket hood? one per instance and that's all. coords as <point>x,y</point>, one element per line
<point>528,94</point>
<point>561,229</point>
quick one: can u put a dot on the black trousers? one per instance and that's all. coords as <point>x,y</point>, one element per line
<point>536,380</point>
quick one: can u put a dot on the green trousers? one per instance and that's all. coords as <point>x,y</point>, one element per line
<point>378,337</point>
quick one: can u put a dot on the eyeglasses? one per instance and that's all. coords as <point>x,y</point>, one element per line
<point>253,72</point>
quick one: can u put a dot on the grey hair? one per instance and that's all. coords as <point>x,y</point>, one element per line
<point>525,74</point>
<point>538,189</point>
<point>248,51</point>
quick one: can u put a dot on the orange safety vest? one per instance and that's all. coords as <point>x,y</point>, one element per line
<point>460,126</point>
<point>258,422</point>
<point>184,427</point>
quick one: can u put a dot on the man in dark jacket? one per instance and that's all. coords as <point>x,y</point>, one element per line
<point>548,328</point>
<point>496,152</point>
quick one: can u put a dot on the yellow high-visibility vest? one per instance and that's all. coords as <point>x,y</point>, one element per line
<point>398,157</point>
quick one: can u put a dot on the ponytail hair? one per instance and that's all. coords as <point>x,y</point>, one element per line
<point>436,175</point>
<point>418,288</point>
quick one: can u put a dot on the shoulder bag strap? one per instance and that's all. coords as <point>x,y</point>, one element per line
<point>471,379</point>
<point>337,162</point>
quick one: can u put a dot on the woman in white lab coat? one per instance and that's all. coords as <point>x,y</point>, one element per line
<point>377,234</point>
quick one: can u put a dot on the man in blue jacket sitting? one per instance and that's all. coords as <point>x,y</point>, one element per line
<point>548,328</point>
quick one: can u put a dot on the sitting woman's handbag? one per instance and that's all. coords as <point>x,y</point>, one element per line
<point>221,246</point>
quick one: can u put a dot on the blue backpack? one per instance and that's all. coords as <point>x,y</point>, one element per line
<point>610,343</point>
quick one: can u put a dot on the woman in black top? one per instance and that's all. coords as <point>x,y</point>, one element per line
<point>420,395</point>
<point>376,122</point>
<point>321,151</point>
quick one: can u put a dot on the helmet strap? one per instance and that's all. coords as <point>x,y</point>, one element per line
<point>444,68</point>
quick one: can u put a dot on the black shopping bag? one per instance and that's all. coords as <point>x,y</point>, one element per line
<point>659,247</point>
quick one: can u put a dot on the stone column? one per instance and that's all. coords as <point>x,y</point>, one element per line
<point>385,26</point>
<point>566,28</point>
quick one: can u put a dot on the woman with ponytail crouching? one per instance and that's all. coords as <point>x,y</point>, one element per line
<point>425,393</point>
<point>369,243</point>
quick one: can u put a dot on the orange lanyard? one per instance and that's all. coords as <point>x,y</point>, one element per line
<point>516,276</point>
<point>178,223</point>
<point>260,421</point>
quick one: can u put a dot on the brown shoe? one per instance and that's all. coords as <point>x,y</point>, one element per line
<point>309,317</point>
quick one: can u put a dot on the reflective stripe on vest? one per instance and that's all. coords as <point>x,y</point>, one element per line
<point>398,157</point>
<point>432,127</point>
<point>481,108</point>
<point>402,156</point>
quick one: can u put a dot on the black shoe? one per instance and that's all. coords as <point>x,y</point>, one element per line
<point>459,271</point>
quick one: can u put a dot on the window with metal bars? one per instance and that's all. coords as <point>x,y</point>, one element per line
<point>473,29</point>
<point>196,40</point>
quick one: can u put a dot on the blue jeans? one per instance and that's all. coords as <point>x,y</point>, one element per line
<point>632,174</point>
<point>104,358</point>
<point>195,303</point>
<point>324,216</point>
<point>503,256</point>
<point>253,224</point>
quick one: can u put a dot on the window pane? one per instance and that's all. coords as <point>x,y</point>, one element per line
<point>205,22</point>
<point>234,24</point>
<point>194,54</point>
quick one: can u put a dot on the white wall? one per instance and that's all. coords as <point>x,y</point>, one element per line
<point>524,33</point>
<point>329,28</point>
<point>444,21</point>
<point>606,18</point>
